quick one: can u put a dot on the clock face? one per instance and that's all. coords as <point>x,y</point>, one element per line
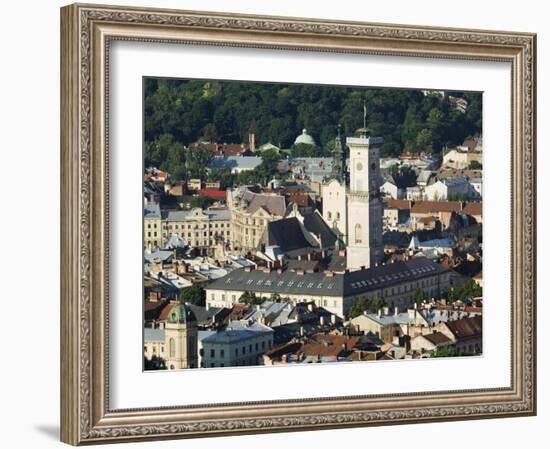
<point>359,166</point>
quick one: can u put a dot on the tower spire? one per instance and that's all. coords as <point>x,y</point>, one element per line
<point>339,158</point>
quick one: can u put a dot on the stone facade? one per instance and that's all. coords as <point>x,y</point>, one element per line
<point>365,247</point>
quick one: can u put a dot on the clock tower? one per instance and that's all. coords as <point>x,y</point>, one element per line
<point>365,247</point>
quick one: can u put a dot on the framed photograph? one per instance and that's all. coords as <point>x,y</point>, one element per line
<point>279,224</point>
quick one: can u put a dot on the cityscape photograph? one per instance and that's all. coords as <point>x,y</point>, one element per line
<point>301,224</point>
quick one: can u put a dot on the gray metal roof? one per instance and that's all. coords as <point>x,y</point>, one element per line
<point>183,215</point>
<point>153,334</point>
<point>151,210</point>
<point>237,331</point>
<point>240,162</point>
<point>340,284</point>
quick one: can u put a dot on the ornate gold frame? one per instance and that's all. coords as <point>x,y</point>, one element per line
<point>86,31</point>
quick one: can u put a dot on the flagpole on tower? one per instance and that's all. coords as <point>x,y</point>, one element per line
<point>364,114</point>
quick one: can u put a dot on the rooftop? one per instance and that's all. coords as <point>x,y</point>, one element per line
<point>337,284</point>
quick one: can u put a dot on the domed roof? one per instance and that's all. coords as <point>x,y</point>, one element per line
<point>180,313</point>
<point>305,138</point>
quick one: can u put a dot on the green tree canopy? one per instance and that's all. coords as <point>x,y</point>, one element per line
<point>181,112</point>
<point>201,201</point>
<point>250,298</point>
<point>366,305</point>
<point>194,295</point>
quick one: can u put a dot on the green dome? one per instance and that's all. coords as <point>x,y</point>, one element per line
<point>180,313</point>
<point>305,138</point>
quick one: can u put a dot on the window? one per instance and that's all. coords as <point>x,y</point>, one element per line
<point>172,347</point>
<point>358,233</point>
<point>330,215</point>
<point>212,353</point>
<point>337,215</point>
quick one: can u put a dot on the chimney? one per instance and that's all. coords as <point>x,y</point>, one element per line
<point>301,331</point>
<point>310,307</point>
<point>379,313</point>
<point>333,318</point>
<point>329,274</point>
<point>322,320</point>
<point>300,272</point>
<point>386,310</point>
<point>153,323</point>
<point>396,311</point>
<point>161,325</point>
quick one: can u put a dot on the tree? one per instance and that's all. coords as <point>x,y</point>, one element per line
<point>223,176</point>
<point>446,351</point>
<point>198,160</point>
<point>249,297</point>
<point>365,304</point>
<point>475,165</point>
<point>192,110</point>
<point>464,293</point>
<point>202,201</point>
<point>424,141</point>
<point>195,294</point>
<point>419,297</point>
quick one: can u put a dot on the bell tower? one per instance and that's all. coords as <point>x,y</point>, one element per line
<point>365,247</point>
<point>181,335</point>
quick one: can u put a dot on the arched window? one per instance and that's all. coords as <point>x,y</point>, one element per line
<point>172,346</point>
<point>330,215</point>
<point>358,233</point>
<point>337,215</point>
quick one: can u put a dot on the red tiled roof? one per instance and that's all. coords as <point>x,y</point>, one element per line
<point>213,193</point>
<point>398,204</point>
<point>473,209</point>
<point>166,311</point>
<point>426,207</point>
<point>329,345</point>
<point>466,327</point>
<point>437,338</point>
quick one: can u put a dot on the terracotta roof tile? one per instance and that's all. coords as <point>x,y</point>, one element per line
<point>427,207</point>
<point>473,209</point>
